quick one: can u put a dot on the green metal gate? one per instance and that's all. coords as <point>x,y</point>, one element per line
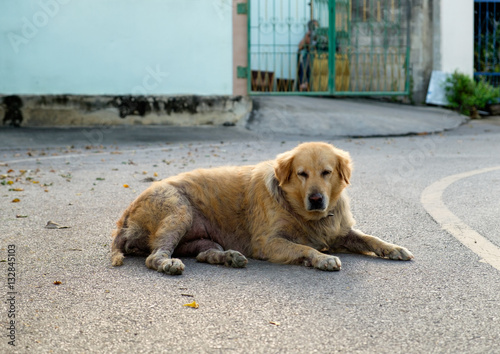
<point>291,51</point>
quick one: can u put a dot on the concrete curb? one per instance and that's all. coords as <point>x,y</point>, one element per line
<point>327,117</point>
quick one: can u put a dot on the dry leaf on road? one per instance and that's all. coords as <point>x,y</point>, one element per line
<point>193,304</point>
<point>54,225</point>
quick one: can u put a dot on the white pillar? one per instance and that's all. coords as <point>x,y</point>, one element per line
<point>456,42</point>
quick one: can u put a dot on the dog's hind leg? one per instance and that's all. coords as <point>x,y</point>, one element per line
<point>161,261</point>
<point>211,252</point>
<point>163,243</point>
<point>229,258</point>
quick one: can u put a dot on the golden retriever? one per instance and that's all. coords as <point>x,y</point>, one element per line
<point>290,210</point>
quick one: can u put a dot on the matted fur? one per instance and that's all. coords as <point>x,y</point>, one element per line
<point>293,209</point>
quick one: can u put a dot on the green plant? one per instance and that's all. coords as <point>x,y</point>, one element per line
<point>467,95</point>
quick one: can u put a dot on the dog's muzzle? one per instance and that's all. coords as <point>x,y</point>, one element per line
<point>316,201</point>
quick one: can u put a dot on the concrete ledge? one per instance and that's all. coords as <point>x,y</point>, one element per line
<point>70,110</point>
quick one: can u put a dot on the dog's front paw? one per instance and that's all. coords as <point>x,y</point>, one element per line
<point>400,253</point>
<point>326,262</point>
<point>172,266</point>
<point>396,253</point>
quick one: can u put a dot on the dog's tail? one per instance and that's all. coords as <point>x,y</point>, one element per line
<point>129,238</point>
<point>117,249</point>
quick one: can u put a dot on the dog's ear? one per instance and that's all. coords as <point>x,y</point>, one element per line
<point>344,165</point>
<point>283,167</point>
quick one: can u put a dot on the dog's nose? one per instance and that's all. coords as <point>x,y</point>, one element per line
<point>316,201</point>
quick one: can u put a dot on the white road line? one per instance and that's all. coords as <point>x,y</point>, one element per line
<point>432,200</point>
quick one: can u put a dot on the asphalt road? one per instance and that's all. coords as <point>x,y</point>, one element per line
<point>67,297</point>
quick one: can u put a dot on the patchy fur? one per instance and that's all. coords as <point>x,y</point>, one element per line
<point>290,210</point>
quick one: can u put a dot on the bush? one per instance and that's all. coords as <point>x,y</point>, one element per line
<point>469,96</point>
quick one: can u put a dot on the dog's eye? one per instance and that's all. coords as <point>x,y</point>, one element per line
<point>326,173</point>
<point>303,174</point>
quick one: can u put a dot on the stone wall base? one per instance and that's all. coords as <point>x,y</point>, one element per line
<point>73,110</point>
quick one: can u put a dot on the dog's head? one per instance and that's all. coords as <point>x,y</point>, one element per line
<point>313,175</point>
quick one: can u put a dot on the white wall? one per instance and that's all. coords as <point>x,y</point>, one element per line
<point>457,36</point>
<point>94,47</point>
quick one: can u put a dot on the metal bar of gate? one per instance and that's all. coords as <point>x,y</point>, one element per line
<point>332,33</point>
<point>368,52</point>
<point>487,41</point>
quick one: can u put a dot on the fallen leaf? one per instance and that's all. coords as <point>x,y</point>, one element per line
<point>125,186</point>
<point>16,189</point>
<point>21,216</point>
<point>100,179</point>
<point>54,225</point>
<point>16,200</point>
<point>193,304</point>
<point>275,323</point>
<point>148,179</point>
<point>10,182</point>
<point>11,170</point>
<point>57,282</point>
<point>155,174</point>
<point>67,176</point>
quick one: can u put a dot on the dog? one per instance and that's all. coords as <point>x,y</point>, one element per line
<point>292,210</point>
